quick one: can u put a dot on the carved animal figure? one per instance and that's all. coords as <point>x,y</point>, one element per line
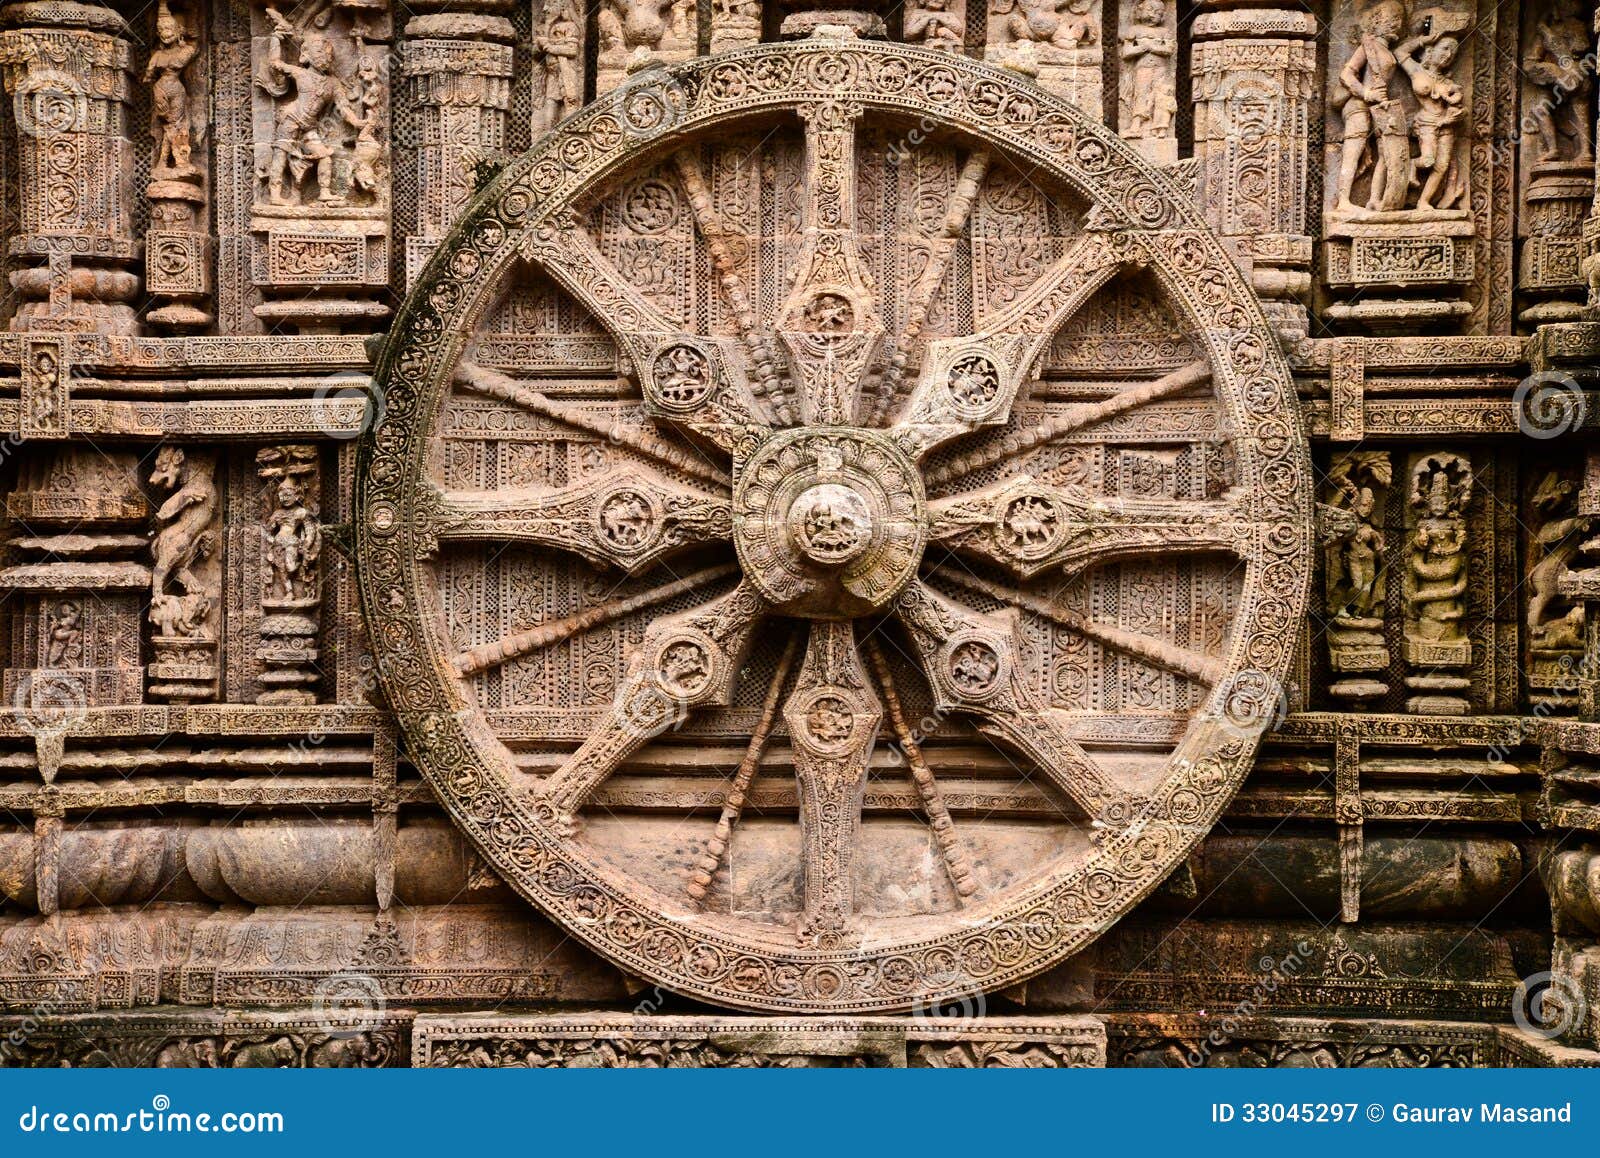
<point>184,537</point>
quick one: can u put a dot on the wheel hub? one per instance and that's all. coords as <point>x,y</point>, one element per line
<point>829,522</point>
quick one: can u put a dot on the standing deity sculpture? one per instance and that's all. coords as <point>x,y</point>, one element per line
<point>1558,63</point>
<point>1440,107</point>
<point>558,50</point>
<point>1356,573</point>
<point>304,93</point>
<point>1148,85</point>
<point>175,50</point>
<point>1437,563</point>
<point>294,542</point>
<point>1371,110</point>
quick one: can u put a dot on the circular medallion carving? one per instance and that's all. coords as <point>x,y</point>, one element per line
<point>823,522</point>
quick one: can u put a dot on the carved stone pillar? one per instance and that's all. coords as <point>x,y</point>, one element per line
<point>178,244</point>
<point>1058,45</point>
<point>186,576</point>
<point>291,593</point>
<point>68,69</point>
<point>1438,650</point>
<point>460,71</point>
<point>636,34</point>
<point>1254,72</point>
<point>319,218</point>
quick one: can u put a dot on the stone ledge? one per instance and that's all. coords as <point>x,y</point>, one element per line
<point>624,1040</point>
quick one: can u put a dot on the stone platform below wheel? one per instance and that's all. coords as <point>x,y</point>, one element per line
<point>607,1040</point>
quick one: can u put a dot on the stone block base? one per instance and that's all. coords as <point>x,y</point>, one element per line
<point>623,1040</point>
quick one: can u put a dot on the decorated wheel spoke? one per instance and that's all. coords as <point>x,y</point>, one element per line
<point>970,382</point>
<point>973,663</point>
<point>833,718</point>
<point>1028,527</point>
<point>685,661</point>
<point>684,378</point>
<point>659,716</point>
<point>829,323</point>
<point>1162,653</point>
<point>481,380</point>
<point>629,521</point>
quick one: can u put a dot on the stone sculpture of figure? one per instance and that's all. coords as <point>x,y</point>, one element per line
<point>1042,22</point>
<point>1149,90</point>
<point>636,26</point>
<point>1557,61</point>
<point>362,109</point>
<point>934,26</point>
<point>1437,554</point>
<point>1369,109</point>
<point>557,48</point>
<point>169,97</point>
<point>298,144</point>
<point>1440,107</point>
<point>1559,536</point>
<point>1358,557</point>
<point>65,635</point>
<point>183,538</point>
<point>294,542</point>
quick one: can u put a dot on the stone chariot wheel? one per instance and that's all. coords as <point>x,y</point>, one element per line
<point>838,527</point>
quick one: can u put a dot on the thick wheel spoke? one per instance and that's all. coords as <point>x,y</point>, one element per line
<point>685,661</point>
<point>1027,527</point>
<point>828,323</point>
<point>968,383</point>
<point>833,719</point>
<point>972,663</point>
<point>1161,653</point>
<point>629,521</point>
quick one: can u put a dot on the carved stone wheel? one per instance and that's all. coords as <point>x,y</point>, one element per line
<point>847,654</point>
